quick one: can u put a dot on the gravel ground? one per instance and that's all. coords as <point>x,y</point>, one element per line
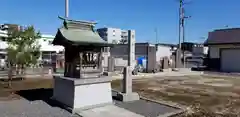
<point>25,108</point>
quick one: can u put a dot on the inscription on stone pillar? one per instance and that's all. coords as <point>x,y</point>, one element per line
<point>131,48</point>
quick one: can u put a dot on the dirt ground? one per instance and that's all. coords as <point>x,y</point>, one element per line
<point>213,96</point>
<point>10,93</point>
<point>204,95</point>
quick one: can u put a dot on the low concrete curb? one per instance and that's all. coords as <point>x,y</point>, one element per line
<point>181,108</point>
<point>170,104</point>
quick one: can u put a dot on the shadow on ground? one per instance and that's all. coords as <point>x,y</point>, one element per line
<point>40,94</point>
<point>43,94</point>
<point>142,107</point>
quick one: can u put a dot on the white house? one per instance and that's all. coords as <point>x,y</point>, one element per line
<point>47,48</point>
<point>45,42</point>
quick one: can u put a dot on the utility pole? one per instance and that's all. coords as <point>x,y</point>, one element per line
<point>181,38</point>
<point>66,8</point>
<point>156,31</point>
<point>180,24</point>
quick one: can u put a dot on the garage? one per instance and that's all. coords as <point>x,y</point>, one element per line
<point>230,60</point>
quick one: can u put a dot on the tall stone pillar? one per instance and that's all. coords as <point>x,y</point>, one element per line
<point>110,64</point>
<point>178,59</point>
<point>127,94</point>
<point>131,49</point>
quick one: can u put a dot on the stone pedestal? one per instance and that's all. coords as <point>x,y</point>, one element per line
<point>81,94</point>
<point>127,97</point>
<point>127,94</point>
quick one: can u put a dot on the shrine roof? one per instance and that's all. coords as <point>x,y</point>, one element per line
<point>78,33</point>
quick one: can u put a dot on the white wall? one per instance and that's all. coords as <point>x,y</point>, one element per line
<point>200,50</point>
<point>45,43</point>
<point>205,50</point>
<point>3,45</point>
<point>114,34</point>
<point>215,49</point>
<point>3,33</point>
<point>163,51</point>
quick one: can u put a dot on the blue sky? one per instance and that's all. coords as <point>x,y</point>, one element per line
<point>142,15</point>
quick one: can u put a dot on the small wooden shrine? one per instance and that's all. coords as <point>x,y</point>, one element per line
<point>83,48</point>
<point>82,80</point>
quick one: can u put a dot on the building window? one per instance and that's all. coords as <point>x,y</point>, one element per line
<point>114,33</point>
<point>3,39</point>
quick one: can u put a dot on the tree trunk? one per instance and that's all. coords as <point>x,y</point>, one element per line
<point>22,71</point>
<point>10,75</point>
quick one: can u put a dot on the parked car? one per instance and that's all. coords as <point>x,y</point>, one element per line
<point>194,59</point>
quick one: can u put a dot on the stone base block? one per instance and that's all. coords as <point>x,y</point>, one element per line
<point>167,70</point>
<point>185,69</point>
<point>109,73</point>
<point>81,94</point>
<point>175,69</point>
<point>127,97</point>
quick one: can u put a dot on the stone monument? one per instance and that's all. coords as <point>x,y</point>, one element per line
<point>82,86</point>
<point>127,94</point>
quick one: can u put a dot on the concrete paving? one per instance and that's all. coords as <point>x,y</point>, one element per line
<point>41,105</point>
<point>108,111</point>
<point>26,108</point>
<point>147,108</point>
<point>139,108</point>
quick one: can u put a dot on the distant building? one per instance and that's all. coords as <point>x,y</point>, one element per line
<point>224,49</point>
<point>194,48</point>
<point>47,48</point>
<point>142,50</point>
<point>164,50</point>
<point>113,35</point>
